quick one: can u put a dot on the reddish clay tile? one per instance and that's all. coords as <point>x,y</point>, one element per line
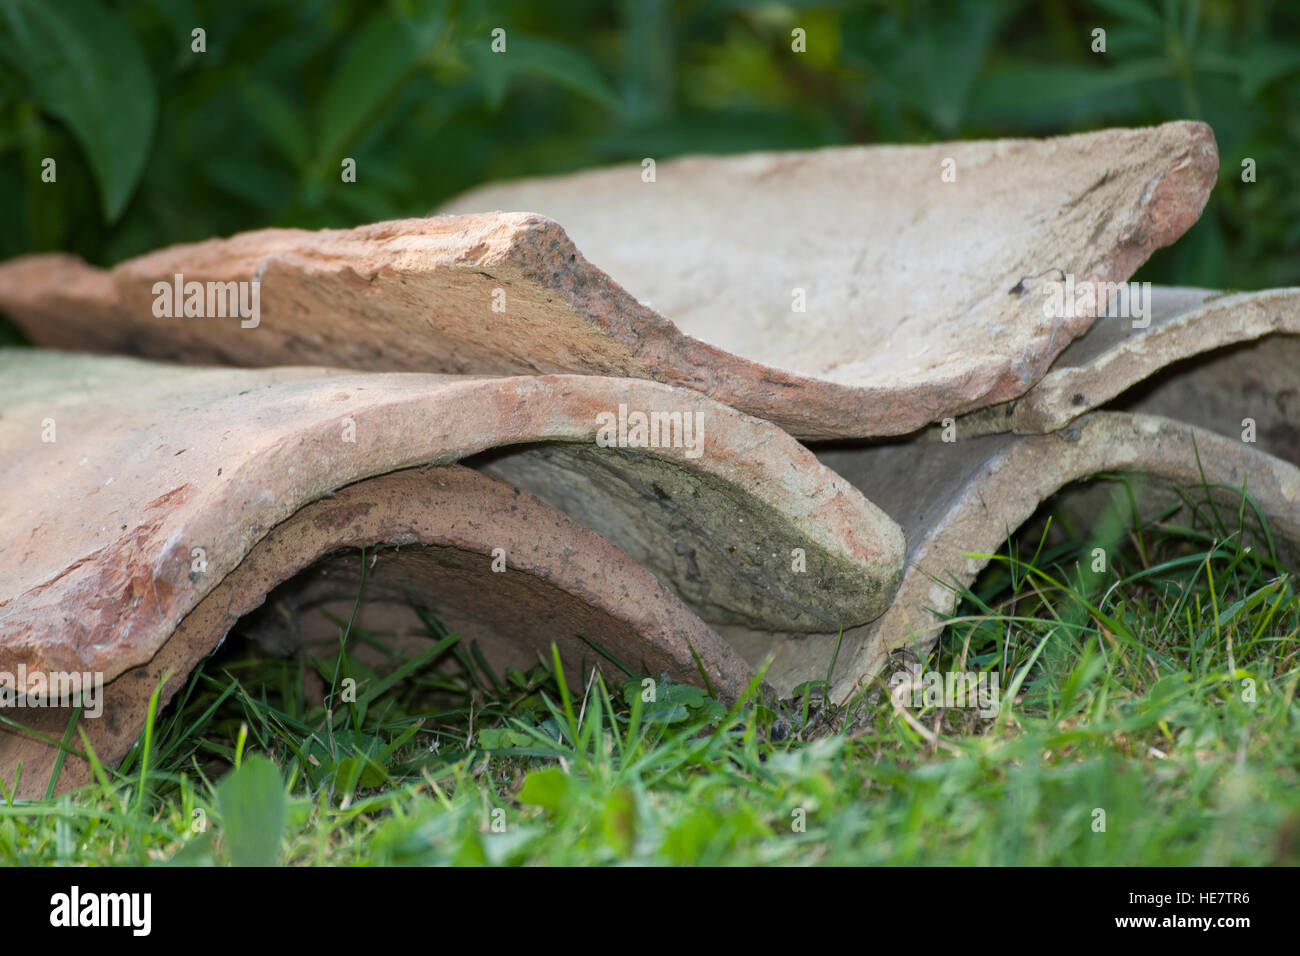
<point>139,496</point>
<point>916,291</point>
<point>431,536</point>
<point>962,499</point>
<point>1207,358</point>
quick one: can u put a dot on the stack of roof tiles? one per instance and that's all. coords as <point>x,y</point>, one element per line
<point>579,421</point>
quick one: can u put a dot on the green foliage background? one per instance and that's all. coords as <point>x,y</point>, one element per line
<point>157,144</point>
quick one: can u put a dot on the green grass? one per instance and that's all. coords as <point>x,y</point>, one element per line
<point>1124,691</point>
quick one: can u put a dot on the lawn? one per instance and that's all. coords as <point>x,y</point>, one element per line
<point>1146,714</point>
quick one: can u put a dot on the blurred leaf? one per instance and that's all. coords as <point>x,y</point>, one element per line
<point>85,67</point>
<point>681,694</point>
<point>929,62</point>
<point>1025,90</point>
<point>1137,11</point>
<point>423,839</point>
<point>1123,42</point>
<point>470,852</point>
<point>1266,63</point>
<point>719,133</point>
<point>181,17</point>
<point>196,851</point>
<point>1168,687</point>
<point>647,70</point>
<point>509,848</point>
<point>262,186</point>
<point>960,40</point>
<point>809,688</point>
<point>1203,253</point>
<point>618,821</point>
<point>354,760</point>
<point>46,206</point>
<point>280,121</point>
<point>501,738</point>
<point>533,56</point>
<point>704,835</point>
<point>378,60</point>
<point>548,789</point>
<point>672,703</point>
<point>252,804</point>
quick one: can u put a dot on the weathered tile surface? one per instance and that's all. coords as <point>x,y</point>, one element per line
<point>962,499</point>
<point>917,293</point>
<point>145,501</point>
<point>1207,358</point>
<point>431,535</point>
